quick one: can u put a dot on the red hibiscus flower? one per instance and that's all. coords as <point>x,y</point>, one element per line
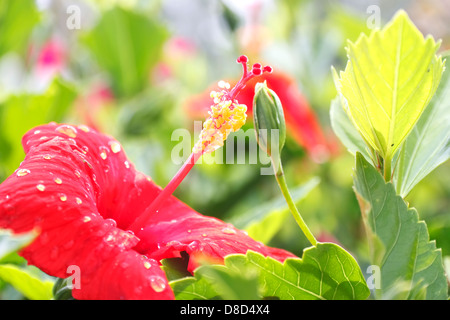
<point>77,188</point>
<point>301,120</point>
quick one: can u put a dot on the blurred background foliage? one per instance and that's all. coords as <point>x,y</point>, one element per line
<point>128,68</point>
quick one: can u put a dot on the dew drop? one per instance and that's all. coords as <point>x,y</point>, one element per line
<point>67,130</point>
<point>83,128</point>
<point>115,146</point>
<point>57,180</point>
<point>147,265</point>
<point>111,222</point>
<point>47,157</point>
<point>228,230</point>
<point>110,238</point>
<point>127,164</point>
<point>158,284</point>
<point>78,200</point>
<point>86,219</point>
<point>103,153</point>
<point>22,172</point>
<point>37,131</point>
<point>62,197</point>
<point>40,187</point>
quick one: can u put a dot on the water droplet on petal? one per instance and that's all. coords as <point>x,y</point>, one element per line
<point>83,128</point>
<point>22,172</point>
<point>115,146</point>
<point>111,222</point>
<point>86,219</point>
<point>157,283</point>
<point>103,153</point>
<point>127,164</point>
<point>147,265</point>
<point>40,187</point>
<point>67,130</point>
<point>62,197</point>
<point>109,238</point>
<point>78,200</point>
<point>228,230</point>
<point>37,131</point>
<point>47,157</point>
<point>58,181</point>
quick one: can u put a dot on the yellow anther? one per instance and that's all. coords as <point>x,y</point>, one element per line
<point>225,116</point>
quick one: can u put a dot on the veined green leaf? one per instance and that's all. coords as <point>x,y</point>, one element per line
<point>389,79</point>
<point>399,242</point>
<point>428,144</point>
<point>193,288</point>
<point>326,272</point>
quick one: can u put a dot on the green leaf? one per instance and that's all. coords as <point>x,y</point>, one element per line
<point>231,283</point>
<point>264,221</point>
<point>326,272</point>
<point>399,242</point>
<point>346,131</point>
<point>389,79</point>
<point>193,288</point>
<point>127,45</point>
<point>17,19</point>
<point>21,279</point>
<point>428,144</point>
<point>62,289</point>
<point>20,113</point>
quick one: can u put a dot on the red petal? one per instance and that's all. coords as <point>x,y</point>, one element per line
<point>77,188</point>
<point>177,228</point>
<point>76,207</point>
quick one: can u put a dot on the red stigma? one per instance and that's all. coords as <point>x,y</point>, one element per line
<point>256,70</point>
<point>242,59</point>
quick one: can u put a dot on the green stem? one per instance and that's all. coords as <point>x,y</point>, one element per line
<point>292,207</point>
<point>387,169</point>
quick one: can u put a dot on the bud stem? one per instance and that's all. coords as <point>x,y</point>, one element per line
<point>292,207</point>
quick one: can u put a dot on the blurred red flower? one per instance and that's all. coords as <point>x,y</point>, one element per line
<point>77,188</point>
<point>301,121</point>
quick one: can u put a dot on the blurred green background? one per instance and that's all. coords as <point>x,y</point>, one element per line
<point>128,68</point>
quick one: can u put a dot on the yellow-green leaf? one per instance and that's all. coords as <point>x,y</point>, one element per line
<point>389,79</point>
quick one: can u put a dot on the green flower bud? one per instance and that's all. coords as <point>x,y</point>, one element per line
<point>268,118</point>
